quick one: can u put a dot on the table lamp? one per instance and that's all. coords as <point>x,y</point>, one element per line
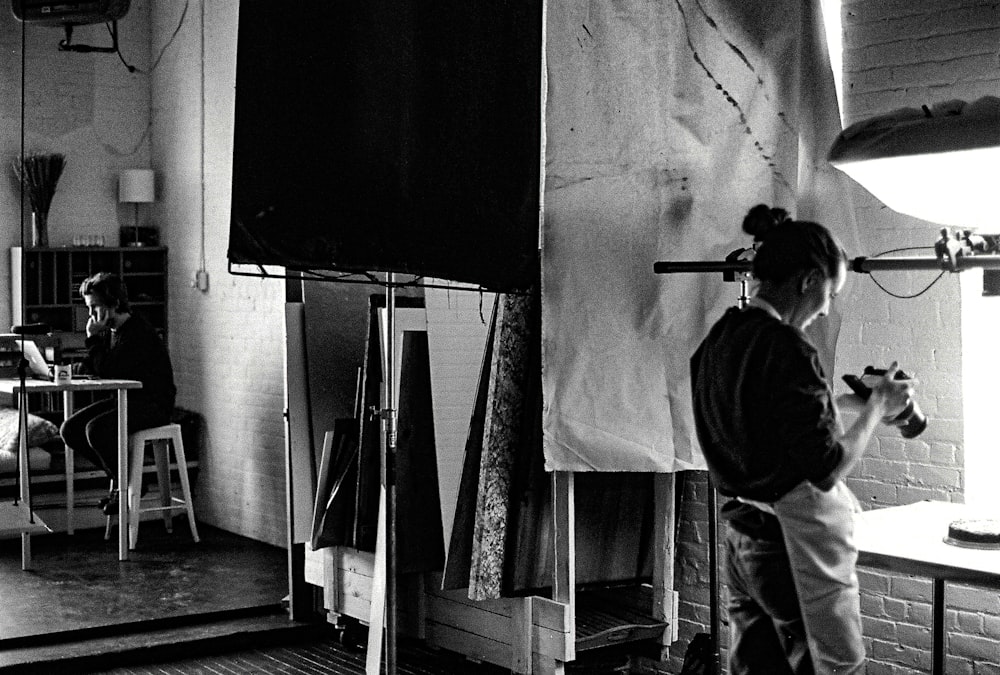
<point>136,186</point>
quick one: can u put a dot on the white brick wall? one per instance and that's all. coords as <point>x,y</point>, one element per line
<point>86,106</point>
<point>227,344</point>
<point>906,54</point>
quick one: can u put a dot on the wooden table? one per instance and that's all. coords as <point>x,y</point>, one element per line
<point>910,540</point>
<point>12,387</point>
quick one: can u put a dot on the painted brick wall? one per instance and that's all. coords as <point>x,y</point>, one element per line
<point>228,343</point>
<point>907,54</point>
<point>88,107</point>
<point>897,53</point>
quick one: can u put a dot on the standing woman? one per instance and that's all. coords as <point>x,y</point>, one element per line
<point>769,429</point>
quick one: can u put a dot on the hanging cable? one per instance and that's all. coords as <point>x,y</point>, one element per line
<point>897,295</point>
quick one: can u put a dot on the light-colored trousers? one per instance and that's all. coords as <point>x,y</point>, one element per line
<point>818,528</point>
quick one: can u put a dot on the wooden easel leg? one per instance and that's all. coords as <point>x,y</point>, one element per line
<point>376,619</point>
<point>665,598</point>
<point>564,575</point>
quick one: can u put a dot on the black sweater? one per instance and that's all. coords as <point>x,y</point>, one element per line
<point>763,409</point>
<point>135,352</point>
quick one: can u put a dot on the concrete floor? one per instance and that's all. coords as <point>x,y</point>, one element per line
<point>174,607</point>
<point>77,583</point>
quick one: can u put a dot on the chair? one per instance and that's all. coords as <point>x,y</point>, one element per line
<point>160,438</point>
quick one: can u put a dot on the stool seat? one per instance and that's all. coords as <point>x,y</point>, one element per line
<point>161,439</point>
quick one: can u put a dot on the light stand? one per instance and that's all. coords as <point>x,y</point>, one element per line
<point>389,418</point>
<point>737,264</point>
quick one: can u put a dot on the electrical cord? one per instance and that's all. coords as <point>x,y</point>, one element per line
<point>156,62</point>
<point>897,295</point>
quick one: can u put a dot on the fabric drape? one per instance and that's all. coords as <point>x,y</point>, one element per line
<point>665,123</point>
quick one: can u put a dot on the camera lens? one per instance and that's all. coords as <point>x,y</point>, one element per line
<point>914,418</point>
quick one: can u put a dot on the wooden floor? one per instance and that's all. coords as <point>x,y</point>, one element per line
<point>315,657</point>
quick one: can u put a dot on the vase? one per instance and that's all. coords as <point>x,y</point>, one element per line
<point>39,229</point>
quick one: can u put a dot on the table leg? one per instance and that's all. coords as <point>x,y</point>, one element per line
<point>24,475</point>
<point>70,469</point>
<point>937,627</point>
<point>122,475</point>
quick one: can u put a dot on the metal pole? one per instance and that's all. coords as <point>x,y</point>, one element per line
<point>860,264</point>
<point>389,479</point>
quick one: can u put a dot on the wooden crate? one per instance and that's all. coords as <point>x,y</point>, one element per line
<point>494,631</point>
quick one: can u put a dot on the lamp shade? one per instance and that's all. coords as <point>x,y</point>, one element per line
<point>136,186</point>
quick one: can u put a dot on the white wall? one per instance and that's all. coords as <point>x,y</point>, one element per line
<point>906,54</point>
<point>226,343</point>
<point>88,107</point>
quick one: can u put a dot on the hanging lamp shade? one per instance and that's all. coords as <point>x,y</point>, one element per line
<point>940,164</point>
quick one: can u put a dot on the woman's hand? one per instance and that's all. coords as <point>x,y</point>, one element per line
<point>97,324</point>
<point>892,394</point>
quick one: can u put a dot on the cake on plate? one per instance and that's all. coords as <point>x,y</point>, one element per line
<point>975,533</point>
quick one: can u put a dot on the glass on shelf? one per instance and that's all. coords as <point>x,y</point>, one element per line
<point>89,240</point>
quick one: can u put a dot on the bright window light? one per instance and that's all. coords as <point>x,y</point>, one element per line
<point>835,47</point>
<point>980,374</point>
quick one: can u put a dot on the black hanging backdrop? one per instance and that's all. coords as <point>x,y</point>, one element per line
<point>389,136</point>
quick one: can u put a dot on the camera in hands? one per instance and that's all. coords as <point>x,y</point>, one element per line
<point>911,421</point>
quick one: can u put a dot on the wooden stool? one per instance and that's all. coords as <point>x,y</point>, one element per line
<point>161,438</point>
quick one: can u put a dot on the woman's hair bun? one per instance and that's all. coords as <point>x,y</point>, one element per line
<point>762,219</point>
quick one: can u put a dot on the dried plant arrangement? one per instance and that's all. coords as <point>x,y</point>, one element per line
<point>38,174</point>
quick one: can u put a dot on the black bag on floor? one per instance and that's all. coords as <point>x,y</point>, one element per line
<point>699,656</point>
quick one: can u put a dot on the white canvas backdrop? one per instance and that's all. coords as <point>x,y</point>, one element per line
<point>665,123</point>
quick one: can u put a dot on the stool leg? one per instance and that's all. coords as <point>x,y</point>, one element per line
<point>136,457</point>
<point>107,518</point>
<point>160,450</point>
<point>185,483</point>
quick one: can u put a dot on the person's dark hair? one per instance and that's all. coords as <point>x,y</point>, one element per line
<point>786,247</point>
<point>108,289</point>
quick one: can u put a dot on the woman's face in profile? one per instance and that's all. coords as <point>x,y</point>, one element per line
<point>817,292</point>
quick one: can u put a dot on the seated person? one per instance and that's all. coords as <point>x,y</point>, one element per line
<point>120,345</point>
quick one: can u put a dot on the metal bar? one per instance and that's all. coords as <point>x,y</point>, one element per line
<point>713,576</point>
<point>389,478</point>
<point>667,267</point>
<point>902,263</point>
<point>937,627</point>
<point>123,475</point>
<point>860,264</point>
<point>313,275</point>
